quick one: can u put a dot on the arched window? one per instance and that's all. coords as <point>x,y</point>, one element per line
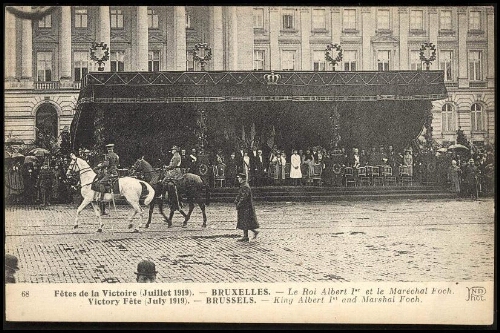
<point>46,119</point>
<point>447,118</point>
<point>476,117</point>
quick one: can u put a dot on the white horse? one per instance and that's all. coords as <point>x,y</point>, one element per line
<point>129,187</point>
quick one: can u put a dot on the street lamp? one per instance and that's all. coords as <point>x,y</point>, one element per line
<point>99,52</point>
<point>202,53</point>
<point>333,54</point>
<point>428,54</point>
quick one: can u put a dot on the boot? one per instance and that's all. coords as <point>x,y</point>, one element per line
<point>102,206</point>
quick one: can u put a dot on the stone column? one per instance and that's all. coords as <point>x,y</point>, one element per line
<point>104,31</point>
<point>367,32</point>
<point>245,38</point>
<point>27,50</point>
<point>65,44</point>
<point>404,25</point>
<point>274,31</point>
<point>142,42</point>
<point>216,41</point>
<point>305,29</point>
<point>10,46</point>
<point>232,34</point>
<point>433,33</point>
<point>463,81</point>
<point>491,47</point>
<point>180,38</point>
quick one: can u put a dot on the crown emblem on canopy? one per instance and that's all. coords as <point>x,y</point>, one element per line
<point>272,78</point>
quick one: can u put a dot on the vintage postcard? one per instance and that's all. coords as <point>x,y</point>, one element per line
<point>254,164</point>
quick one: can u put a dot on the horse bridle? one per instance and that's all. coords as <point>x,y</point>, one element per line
<point>79,171</point>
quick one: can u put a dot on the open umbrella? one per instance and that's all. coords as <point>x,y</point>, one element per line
<point>17,155</point>
<point>39,151</point>
<point>30,159</point>
<point>458,146</point>
<point>442,150</point>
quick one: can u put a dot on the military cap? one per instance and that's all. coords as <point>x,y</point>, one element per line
<point>110,145</point>
<point>242,175</point>
<point>175,148</point>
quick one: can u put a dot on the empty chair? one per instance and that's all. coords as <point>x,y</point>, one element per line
<point>363,178</point>
<point>389,178</point>
<point>404,175</point>
<point>219,174</point>
<point>349,176</point>
<point>317,175</point>
<point>378,175</point>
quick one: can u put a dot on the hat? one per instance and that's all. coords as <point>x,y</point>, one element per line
<point>66,128</point>
<point>110,145</point>
<point>11,262</point>
<point>175,147</point>
<point>242,175</point>
<point>471,160</point>
<point>146,267</point>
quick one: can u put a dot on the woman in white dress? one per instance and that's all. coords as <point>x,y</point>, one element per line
<point>295,172</point>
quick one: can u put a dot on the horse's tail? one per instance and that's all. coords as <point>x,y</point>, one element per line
<point>151,193</point>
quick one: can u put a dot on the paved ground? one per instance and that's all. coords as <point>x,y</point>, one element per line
<point>396,240</point>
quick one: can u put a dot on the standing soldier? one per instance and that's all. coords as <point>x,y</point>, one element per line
<point>247,219</point>
<point>45,182</point>
<point>470,179</point>
<point>109,169</point>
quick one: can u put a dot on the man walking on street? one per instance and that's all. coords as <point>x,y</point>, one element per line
<point>247,219</point>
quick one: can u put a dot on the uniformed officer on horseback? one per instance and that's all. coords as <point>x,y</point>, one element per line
<point>173,169</point>
<point>109,168</point>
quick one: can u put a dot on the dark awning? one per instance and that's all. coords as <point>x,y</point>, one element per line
<point>144,112</point>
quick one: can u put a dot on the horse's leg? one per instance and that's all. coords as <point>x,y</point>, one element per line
<point>188,215</point>
<point>151,208</point>
<point>169,221</point>
<point>97,212</point>
<point>84,204</point>
<point>202,207</point>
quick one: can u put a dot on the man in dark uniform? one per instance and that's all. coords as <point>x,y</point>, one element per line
<point>109,168</point>
<point>470,179</point>
<point>247,219</point>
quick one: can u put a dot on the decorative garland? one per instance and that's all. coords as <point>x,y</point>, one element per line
<point>432,57</point>
<point>328,57</point>
<point>105,56</point>
<point>208,52</point>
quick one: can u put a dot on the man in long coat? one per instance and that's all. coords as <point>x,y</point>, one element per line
<point>247,219</point>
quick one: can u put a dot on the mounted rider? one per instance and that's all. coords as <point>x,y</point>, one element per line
<point>173,175</point>
<point>108,172</point>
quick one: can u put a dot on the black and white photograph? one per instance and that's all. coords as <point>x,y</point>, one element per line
<point>256,164</point>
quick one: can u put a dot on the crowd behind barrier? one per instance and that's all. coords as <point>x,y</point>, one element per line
<point>42,179</point>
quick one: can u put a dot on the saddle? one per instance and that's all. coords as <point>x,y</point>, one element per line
<point>111,186</point>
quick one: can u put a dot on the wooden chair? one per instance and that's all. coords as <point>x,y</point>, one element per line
<point>404,175</point>
<point>378,175</point>
<point>349,176</point>
<point>363,178</point>
<point>369,174</point>
<point>389,178</point>
<point>219,174</point>
<point>317,175</point>
<point>288,167</point>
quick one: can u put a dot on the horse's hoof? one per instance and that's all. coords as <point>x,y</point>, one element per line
<point>184,225</point>
<point>170,225</point>
<point>99,230</point>
<point>203,225</point>
<point>136,231</point>
<point>130,226</point>
<point>75,226</point>
<point>146,226</point>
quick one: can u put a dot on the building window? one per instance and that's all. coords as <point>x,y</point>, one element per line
<point>287,18</point>
<point>45,22</point>
<point>116,18</point>
<point>152,19</point>
<point>259,60</point>
<point>445,20</point>
<point>46,119</point>
<point>474,20</point>
<point>349,18</point>
<point>383,60</point>
<point>258,18</point>
<point>319,61</point>
<point>81,64</point>
<point>318,19</point>
<point>415,62</point>
<point>476,117</point>
<point>188,21</point>
<point>447,118</point>
<point>383,19</point>
<point>117,61</point>
<point>417,20</point>
<point>44,66</point>
<point>446,64</point>
<point>288,60</point>
<point>350,60</point>
<point>80,18</point>
<point>475,66</point>
<point>154,61</point>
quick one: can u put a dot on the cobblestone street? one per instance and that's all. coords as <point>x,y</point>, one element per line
<point>349,241</point>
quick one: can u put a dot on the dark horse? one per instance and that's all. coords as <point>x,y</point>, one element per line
<point>189,188</point>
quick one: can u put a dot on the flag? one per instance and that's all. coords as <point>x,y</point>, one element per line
<point>252,135</point>
<point>270,140</point>
<point>243,136</point>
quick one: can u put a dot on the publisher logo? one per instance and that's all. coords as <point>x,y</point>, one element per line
<point>476,294</point>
